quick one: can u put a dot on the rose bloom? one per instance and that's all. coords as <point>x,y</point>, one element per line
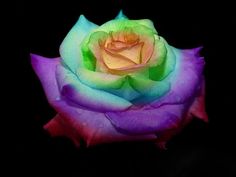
<point>121,81</point>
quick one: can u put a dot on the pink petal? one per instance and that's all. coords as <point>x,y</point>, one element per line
<point>197,109</point>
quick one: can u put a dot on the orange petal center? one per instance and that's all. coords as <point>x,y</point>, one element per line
<point>124,50</point>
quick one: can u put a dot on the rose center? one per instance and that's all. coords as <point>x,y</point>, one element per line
<point>122,50</point>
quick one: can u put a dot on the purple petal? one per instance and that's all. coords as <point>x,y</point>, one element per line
<point>91,126</point>
<point>146,121</point>
<point>186,79</point>
<point>45,69</point>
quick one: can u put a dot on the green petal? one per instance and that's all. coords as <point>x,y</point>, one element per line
<point>99,80</point>
<point>148,23</point>
<point>143,30</point>
<point>70,47</point>
<point>166,64</point>
<point>89,60</point>
<point>124,24</point>
<point>90,44</point>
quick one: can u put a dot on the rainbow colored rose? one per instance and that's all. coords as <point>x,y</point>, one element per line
<point>121,81</point>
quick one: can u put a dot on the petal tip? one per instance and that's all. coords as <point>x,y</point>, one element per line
<point>203,116</point>
<point>54,128</point>
<point>121,15</point>
<point>82,18</point>
<point>161,145</point>
<point>197,51</point>
<point>84,21</point>
<point>34,59</point>
<point>33,56</point>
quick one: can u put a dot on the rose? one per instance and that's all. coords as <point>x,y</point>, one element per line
<point>121,81</point>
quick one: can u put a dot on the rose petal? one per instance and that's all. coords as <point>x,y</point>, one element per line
<point>133,53</point>
<point>166,65</point>
<point>58,127</point>
<point>149,90</point>
<point>74,90</point>
<point>186,78</point>
<point>116,61</point>
<point>143,121</point>
<point>115,46</point>
<point>197,109</point>
<point>114,84</point>
<point>122,25</point>
<point>146,36</point>
<point>159,52</point>
<point>92,44</point>
<point>147,48</point>
<point>99,80</point>
<point>45,69</point>
<point>91,126</point>
<point>148,23</point>
<point>70,47</point>
<point>121,15</point>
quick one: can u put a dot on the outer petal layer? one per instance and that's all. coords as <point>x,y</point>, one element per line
<point>45,69</point>
<point>73,122</point>
<point>147,121</point>
<point>91,126</point>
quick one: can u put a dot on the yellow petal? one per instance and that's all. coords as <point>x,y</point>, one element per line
<point>115,61</point>
<point>133,53</point>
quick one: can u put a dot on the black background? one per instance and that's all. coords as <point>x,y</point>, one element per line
<point>199,150</point>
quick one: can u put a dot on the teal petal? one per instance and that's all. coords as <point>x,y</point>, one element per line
<point>71,45</point>
<point>149,90</point>
<point>114,84</point>
<point>121,15</point>
<point>126,91</point>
